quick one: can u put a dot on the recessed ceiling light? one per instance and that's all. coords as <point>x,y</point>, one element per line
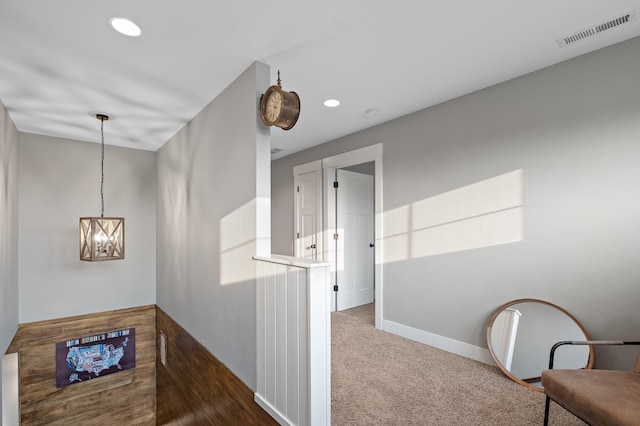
<point>331,103</point>
<point>125,26</point>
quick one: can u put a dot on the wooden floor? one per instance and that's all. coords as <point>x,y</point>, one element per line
<point>194,388</point>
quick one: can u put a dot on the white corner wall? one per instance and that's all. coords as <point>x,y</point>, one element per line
<point>213,217</point>
<point>59,181</point>
<point>8,233</point>
<point>8,229</point>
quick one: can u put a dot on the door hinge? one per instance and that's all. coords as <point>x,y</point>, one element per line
<point>335,236</point>
<point>335,184</point>
<point>298,235</point>
<point>298,189</point>
<point>335,287</point>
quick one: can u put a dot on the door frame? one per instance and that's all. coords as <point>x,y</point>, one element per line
<point>347,159</point>
<point>314,166</point>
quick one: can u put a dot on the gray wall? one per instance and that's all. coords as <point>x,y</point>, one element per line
<point>574,131</point>
<point>213,190</point>
<point>8,234</point>
<point>59,181</point>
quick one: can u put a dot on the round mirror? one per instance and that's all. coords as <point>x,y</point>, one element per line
<point>520,335</point>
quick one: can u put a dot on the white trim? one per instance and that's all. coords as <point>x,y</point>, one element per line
<point>379,242</point>
<point>271,410</point>
<point>307,167</point>
<point>298,262</point>
<point>454,346</point>
<point>351,158</point>
<point>329,227</point>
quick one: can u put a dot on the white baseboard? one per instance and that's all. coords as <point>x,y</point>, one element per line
<point>271,410</point>
<point>454,346</point>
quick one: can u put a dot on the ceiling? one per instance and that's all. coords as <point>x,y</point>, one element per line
<point>60,61</point>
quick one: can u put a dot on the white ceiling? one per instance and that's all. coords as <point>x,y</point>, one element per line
<point>60,60</point>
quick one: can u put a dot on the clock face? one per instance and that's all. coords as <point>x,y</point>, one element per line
<point>273,106</point>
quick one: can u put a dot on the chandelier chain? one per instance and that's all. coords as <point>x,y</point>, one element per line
<point>102,166</point>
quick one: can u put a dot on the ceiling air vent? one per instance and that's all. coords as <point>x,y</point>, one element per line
<point>597,29</point>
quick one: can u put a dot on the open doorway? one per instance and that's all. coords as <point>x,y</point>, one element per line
<point>321,211</point>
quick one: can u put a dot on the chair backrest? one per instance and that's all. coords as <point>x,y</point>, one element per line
<point>637,369</point>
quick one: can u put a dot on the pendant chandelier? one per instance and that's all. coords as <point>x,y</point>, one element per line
<point>101,238</point>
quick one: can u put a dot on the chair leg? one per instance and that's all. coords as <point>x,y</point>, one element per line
<point>546,411</point>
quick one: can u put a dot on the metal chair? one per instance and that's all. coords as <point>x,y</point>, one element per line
<point>598,397</point>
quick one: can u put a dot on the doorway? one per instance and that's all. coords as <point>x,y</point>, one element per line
<point>317,234</point>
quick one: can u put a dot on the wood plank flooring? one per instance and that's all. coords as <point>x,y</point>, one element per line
<point>195,388</point>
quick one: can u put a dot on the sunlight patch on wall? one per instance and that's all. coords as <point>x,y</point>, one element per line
<point>482,231</point>
<point>482,214</point>
<point>481,198</point>
<point>396,234</point>
<point>238,245</point>
<point>263,226</point>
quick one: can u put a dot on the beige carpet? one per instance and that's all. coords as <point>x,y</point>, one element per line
<point>382,379</point>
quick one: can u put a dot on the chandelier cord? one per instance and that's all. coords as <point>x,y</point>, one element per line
<point>102,166</point>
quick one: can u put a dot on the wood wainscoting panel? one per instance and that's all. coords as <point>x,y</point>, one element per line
<point>195,388</point>
<point>126,397</point>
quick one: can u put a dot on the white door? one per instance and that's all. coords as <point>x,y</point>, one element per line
<point>308,187</point>
<point>355,239</point>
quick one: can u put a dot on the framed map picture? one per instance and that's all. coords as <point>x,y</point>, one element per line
<point>89,357</point>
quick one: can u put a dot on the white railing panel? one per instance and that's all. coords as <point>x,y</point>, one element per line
<point>294,340</point>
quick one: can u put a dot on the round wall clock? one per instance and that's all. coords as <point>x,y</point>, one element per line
<point>279,107</point>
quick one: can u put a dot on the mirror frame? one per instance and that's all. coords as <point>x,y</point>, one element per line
<point>495,314</point>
